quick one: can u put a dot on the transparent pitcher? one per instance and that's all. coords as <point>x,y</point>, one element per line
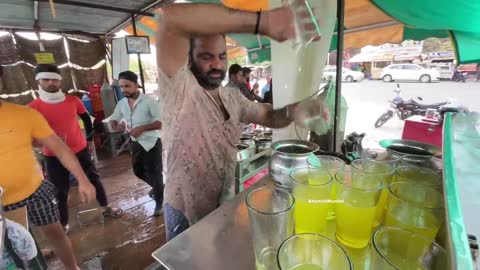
<point>307,28</point>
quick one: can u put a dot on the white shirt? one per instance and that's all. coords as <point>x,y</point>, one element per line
<point>146,110</point>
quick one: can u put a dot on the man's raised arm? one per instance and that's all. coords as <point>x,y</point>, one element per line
<point>179,22</point>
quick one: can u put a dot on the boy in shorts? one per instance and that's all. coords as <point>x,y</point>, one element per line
<point>23,184</point>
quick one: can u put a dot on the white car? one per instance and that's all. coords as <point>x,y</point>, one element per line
<point>348,75</point>
<point>411,72</point>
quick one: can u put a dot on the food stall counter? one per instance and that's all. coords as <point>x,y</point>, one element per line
<point>461,154</point>
<point>219,241</point>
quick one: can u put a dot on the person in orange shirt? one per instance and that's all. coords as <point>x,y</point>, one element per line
<point>22,182</point>
<point>61,112</point>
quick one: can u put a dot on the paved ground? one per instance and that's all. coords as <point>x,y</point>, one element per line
<point>367,100</point>
<point>125,243</point>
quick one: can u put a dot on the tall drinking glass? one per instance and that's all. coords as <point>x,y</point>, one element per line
<point>312,252</point>
<point>271,222</point>
<point>398,249</point>
<point>368,168</point>
<point>415,207</point>
<point>307,27</point>
<point>382,155</point>
<point>334,166</point>
<point>424,161</point>
<point>312,189</point>
<point>419,175</point>
<point>356,214</point>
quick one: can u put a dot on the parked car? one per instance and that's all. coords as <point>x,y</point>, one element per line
<point>412,72</point>
<point>348,75</point>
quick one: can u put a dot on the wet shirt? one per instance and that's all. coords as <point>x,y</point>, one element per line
<point>145,111</point>
<point>200,143</point>
<point>19,175</point>
<point>243,88</point>
<point>63,119</point>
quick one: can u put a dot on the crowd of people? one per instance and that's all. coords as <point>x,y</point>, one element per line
<point>240,77</point>
<point>51,122</point>
<point>200,120</point>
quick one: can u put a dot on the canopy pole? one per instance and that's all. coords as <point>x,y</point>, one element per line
<point>338,85</point>
<point>140,67</point>
<point>36,27</point>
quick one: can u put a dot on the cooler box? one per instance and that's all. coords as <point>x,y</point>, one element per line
<point>420,129</point>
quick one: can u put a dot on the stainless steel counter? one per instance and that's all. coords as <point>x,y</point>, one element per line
<point>220,241</point>
<point>461,155</point>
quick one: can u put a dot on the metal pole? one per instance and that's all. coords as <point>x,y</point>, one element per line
<point>140,67</point>
<point>338,85</point>
<point>36,27</point>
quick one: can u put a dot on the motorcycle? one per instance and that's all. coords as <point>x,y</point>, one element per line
<point>406,108</point>
<point>459,76</point>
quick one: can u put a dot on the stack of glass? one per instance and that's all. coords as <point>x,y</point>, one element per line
<point>383,204</point>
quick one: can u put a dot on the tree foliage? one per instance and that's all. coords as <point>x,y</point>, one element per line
<point>437,45</point>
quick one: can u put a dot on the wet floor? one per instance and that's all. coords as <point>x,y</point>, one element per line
<point>123,243</point>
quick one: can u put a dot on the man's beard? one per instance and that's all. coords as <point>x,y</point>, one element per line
<point>205,80</point>
<point>131,95</point>
<point>52,89</point>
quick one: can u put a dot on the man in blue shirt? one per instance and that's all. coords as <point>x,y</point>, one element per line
<point>141,118</point>
<point>267,87</point>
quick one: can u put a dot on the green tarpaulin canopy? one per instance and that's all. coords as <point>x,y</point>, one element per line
<point>460,18</point>
<point>419,20</point>
<point>375,22</point>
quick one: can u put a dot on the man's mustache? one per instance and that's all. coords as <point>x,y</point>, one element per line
<point>216,71</point>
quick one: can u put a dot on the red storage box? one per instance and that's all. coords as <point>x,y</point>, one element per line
<point>418,128</point>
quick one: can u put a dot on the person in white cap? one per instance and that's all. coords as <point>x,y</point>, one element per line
<point>62,112</point>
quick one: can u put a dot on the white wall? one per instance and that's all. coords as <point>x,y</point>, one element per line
<point>297,73</point>
<point>120,56</point>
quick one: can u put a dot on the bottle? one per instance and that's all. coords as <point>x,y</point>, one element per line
<point>87,102</point>
<point>117,91</point>
<point>108,99</point>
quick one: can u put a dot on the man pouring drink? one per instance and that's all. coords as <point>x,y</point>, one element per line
<point>201,119</point>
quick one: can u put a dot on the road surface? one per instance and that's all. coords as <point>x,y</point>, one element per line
<point>367,100</point>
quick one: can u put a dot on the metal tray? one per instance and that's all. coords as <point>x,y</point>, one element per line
<point>411,147</point>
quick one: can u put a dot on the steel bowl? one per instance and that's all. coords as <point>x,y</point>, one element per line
<point>109,129</point>
<point>261,137</point>
<point>264,144</point>
<point>243,152</point>
<point>406,147</point>
<point>247,136</point>
<point>257,132</point>
<point>268,133</point>
<point>289,155</point>
<point>249,142</point>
